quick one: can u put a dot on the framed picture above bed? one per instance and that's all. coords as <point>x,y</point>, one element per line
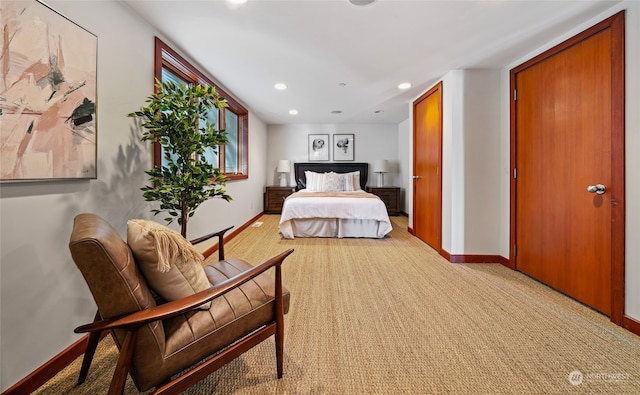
<point>343,146</point>
<point>318,147</point>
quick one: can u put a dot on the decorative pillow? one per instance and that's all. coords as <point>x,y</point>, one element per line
<point>315,181</point>
<point>171,265</point>
<point>346,182</point>
<point>352,181</point>
<point>332,183</point>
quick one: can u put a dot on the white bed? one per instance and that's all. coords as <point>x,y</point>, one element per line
<point>313,212</point>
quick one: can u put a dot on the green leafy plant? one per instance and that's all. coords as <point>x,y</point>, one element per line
<point>176,116</point>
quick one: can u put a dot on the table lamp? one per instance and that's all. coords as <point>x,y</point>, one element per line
<point>381,166</point>
<point>284,168</point>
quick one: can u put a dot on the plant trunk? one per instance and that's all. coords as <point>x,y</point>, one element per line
<point>184,217</point>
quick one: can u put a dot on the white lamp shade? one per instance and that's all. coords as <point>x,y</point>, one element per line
<point>381,166</point>
<point>284,166</point>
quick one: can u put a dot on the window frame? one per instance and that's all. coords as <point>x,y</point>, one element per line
<point>167,58</point>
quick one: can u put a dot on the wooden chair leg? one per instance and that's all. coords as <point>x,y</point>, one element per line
<point>279,351</point>
<point>279,313</point>
<point>92,344</point>
<point>122,367</point>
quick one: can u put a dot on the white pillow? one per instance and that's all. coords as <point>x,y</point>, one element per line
<point>352,181</point>
<point>315,181</point>
<point>332,182</point>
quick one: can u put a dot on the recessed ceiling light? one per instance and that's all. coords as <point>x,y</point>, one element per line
<point>404,85</point>
<point>361,2</point>
<point>336,112</point>
<point>236,1</point>
<point>293,111</point>
<point>280,86</point>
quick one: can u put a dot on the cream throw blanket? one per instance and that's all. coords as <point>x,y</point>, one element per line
<point>171,265</point>
<point>169,245</point>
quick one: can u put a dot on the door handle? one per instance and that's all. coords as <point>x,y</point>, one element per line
<point>415,177</point>
<point>599,189</point>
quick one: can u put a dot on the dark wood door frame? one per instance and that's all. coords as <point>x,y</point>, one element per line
<point>616,24</point>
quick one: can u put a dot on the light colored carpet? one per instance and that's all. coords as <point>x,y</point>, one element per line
<point>392,317</point>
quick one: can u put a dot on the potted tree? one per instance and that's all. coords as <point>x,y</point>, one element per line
<point>176,117</point>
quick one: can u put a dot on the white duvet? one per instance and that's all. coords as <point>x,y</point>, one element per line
<point>358,205</point>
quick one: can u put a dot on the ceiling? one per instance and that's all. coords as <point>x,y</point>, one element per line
<point>335,56</point>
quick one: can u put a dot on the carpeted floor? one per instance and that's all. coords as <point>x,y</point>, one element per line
<point>392,317</point>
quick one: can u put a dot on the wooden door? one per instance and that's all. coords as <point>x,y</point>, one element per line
<point>566,132</point>
<point>427,164</point>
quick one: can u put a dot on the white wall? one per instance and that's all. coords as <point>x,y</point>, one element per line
<point>372,141</point>
<point>632,146</point>
<point>481,161</point>
<point>43,296</point>
<point>405,169</point>
<point>632,168</point>
<point>453,162</point>
<point>471,162</point>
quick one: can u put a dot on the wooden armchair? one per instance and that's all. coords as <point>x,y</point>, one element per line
<point>158,341</point>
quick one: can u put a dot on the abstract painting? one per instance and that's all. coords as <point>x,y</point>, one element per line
<point>47,95</point>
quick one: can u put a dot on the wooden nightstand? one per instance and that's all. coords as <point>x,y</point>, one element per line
<point>390,196</point>
<point>274,198</point>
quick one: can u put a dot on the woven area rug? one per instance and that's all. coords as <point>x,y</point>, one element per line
<point>391,316</point>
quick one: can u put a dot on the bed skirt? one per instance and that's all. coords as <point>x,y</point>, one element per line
<point>334,227</point>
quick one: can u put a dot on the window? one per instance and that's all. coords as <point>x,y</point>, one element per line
<point>232,158</point>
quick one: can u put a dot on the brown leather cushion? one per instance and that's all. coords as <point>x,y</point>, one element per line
<point>252,301</point>
<point>198,334</point>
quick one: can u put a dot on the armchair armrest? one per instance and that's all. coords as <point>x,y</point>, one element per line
<point>134,321</point>
<point>220,235</point>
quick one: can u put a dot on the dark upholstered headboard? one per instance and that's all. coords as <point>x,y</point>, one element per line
<point>301,179</point>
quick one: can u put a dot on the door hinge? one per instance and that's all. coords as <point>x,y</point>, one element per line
<point>515,172</point>
<point>515,94</point>
<point>515,250</point>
